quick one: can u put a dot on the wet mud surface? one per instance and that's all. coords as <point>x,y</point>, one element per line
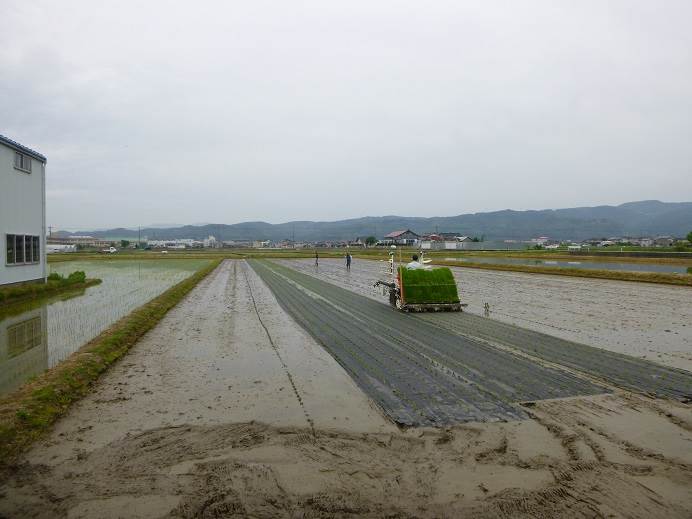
<point>642,320</point>
<point>419,373</point>
<point>573,458</point>
<point>614,368</point>
<point>228,408</point>
<point>599,365</point>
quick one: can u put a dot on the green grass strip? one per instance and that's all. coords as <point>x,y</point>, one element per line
<point>29,412</point>
<point>618,275</point>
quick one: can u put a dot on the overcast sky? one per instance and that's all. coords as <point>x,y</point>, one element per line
<point>188,112</point>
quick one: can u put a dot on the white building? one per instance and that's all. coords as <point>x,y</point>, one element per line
<point>60,247</point>
<point>22,213</point>
<point>211,243</point>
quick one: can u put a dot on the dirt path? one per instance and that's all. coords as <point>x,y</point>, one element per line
<point>644,320</point>
<point>201,419</point>
<point>227,353</point>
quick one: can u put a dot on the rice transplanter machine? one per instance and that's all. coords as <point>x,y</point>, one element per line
<point>420,289</point>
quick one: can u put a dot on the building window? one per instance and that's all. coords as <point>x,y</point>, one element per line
<point>36,247</point>
<point>22,162</point>
<point>28,249</point>
<point>10,249</point>
<point>22,249</point>
<point>19,248</point>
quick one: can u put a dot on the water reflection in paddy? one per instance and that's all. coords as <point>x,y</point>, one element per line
<point>40,336</point>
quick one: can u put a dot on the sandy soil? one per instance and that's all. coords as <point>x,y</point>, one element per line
<point>214,415</point>
<point>640,319</point>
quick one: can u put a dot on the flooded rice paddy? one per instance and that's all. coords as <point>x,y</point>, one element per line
<point>577,264</point>
<point>39,336</point>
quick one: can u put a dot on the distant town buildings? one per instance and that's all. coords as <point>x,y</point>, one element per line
<point>22,213</point>
<point>426,241</point>
<point>182,243</point>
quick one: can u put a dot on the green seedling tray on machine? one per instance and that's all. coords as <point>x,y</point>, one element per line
<point>428,287</point>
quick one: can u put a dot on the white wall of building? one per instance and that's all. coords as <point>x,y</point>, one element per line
<point>22,211</point>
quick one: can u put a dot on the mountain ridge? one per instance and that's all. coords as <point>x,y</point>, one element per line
<point>642,218</point>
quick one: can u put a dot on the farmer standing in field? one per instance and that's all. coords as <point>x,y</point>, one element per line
<point>317,259</point>
<point>348,261</point>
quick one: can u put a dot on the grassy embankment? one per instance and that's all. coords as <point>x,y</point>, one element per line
<point>438,258</point>
<point>618,275</point>
<point>30,411</point>
<point>551,255</point>
<point>197,254</point>
<point>379,252</point>
<point>56,284</point>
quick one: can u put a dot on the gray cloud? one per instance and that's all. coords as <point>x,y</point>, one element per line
<point>232,111</point>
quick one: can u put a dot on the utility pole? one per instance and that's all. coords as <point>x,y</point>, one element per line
<point>139,236</point>
<point>50,231</point>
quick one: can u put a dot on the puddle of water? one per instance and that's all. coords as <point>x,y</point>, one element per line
<point>38,337</point>
<point>606,265</point>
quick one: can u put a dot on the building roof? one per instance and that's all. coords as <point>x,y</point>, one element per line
<point>19,147</point>
<point>396,234</point>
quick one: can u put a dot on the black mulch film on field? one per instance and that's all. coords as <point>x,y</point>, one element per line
<point>418,372</point>
<point>617,369</point>
<point>445,368</point>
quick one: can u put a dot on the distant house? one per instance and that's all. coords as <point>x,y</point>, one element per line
<point>78,241</point>
<point>451,236</point>
<point>541,240</point>
<point>407,237</point>
<point>440,244</point>
<point>664,241</point>
<point>56,247</point>
<point>22,213</point>
<point>211,243</point>
<point>645,242</point>
<point>237,243</point>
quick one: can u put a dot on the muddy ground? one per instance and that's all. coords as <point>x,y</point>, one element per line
<point>644,320</point>
<point>443,368</point>
<point>229,409</point>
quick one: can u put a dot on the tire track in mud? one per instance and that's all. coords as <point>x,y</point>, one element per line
<point>420,374</point>
<point>596,364</point>
<point>615,368</point>
<point>278,355</point>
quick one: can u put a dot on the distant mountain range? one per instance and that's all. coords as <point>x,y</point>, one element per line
<point>645,218</point>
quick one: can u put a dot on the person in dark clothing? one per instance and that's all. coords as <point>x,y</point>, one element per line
<point>317,259</point>
<point>348,261</point>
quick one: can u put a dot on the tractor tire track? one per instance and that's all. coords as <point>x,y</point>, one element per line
<point>595,363</point>
<point>615,368</point>
<point>418,373</point>
<point>278,355</point>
